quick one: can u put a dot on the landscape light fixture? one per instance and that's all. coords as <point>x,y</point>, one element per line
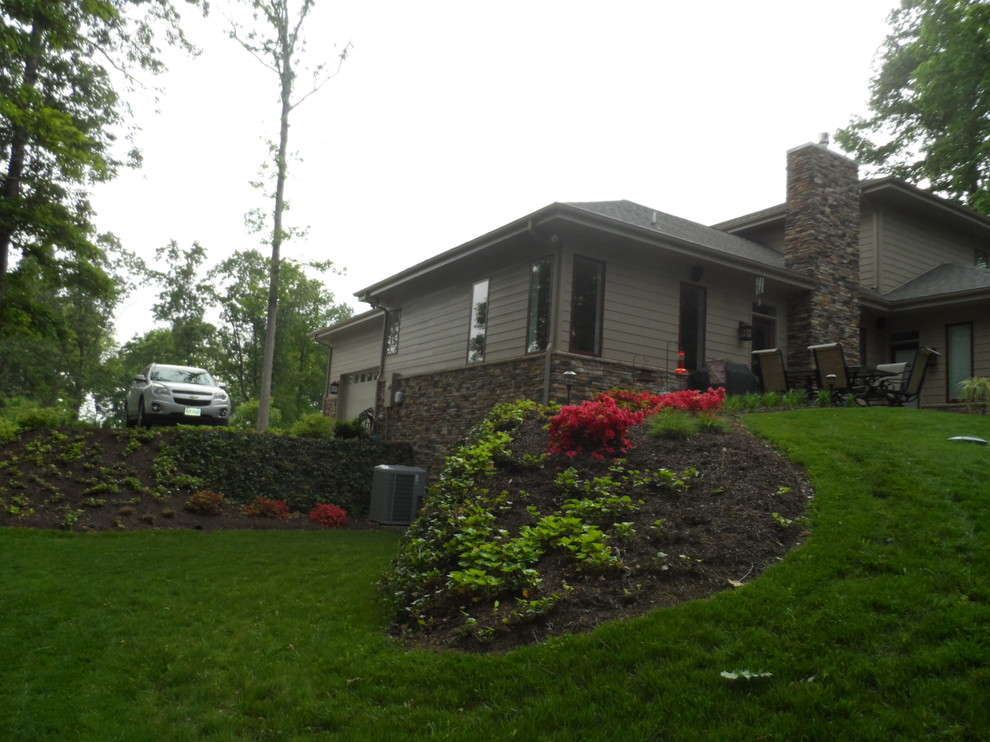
<point>569,378</point>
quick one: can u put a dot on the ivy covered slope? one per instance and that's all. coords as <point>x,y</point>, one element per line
<point>552,520</point>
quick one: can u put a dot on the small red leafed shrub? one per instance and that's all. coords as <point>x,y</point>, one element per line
<point>329,516</point>
<point>598,426</point>
<point>262,507</point>
<point>205,502</point>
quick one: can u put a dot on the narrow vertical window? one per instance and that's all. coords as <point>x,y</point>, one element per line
<point>479,322</point>
<point>692,325</point>
<point>392,319</point>
<point>959,358</point>
<point>538,323</point>
<point>587,295</point>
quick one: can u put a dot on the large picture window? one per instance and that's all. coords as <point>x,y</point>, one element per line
<point>538,322</point>
<point>479,322</point>
<point>587,296</point>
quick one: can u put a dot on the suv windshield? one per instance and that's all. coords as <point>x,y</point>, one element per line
<point>176,375</point>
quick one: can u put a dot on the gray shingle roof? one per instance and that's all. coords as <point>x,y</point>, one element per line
<point>941,280</point>
<point>683,230</point>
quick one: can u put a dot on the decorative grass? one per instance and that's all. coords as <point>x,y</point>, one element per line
<point>878,628</point>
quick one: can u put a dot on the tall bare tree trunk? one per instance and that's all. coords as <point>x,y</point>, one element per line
<point>268,361</point>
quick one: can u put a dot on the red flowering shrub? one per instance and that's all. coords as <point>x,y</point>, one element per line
<point>265,508</point>
<point>600,426</point>
<point>205,502</point>
<point>691,401</point>
<point>630,400</point>
<point>329,516</point>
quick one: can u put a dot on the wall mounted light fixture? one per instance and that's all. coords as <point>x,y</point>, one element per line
<point>334,387</point>
<point>745,332</point>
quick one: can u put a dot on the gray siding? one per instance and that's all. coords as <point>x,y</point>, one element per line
<point>436,325</point>
<point>910,246</point>
<point>358,350</point>
<point>868,247</point>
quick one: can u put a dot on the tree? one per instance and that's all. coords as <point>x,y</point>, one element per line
<point>183,303</point>
<point>59,113</point>
<point>277,42</point>
<point>930,101</point>
<point>305,305</point>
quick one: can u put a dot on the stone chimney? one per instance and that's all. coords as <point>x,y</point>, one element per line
<point>821,240</point>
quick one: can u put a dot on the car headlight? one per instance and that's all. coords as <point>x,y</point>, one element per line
<point>220,395</point>
<point>158,390</point>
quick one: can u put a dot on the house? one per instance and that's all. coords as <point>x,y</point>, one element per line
<point>627,296</point>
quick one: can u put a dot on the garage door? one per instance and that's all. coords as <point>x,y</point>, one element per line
<point>357,393</point>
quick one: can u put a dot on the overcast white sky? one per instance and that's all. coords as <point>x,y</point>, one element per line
<point>452,118</point>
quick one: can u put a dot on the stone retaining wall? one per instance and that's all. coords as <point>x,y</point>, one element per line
<point>439,409</point>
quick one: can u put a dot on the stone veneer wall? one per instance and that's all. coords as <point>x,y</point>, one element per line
<point>821,240</point>
<point>439,409</point>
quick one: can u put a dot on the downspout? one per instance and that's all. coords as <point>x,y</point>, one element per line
<point>381,364</point>
<point>326,384</point>
<point>558,269</point>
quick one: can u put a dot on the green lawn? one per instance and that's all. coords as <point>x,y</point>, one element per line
<point>877,628</point>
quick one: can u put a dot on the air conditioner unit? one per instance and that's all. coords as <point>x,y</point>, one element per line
<point>397,494</point>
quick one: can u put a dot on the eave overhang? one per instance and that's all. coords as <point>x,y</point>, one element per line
<point>560,218</point>
<point>357,323</point>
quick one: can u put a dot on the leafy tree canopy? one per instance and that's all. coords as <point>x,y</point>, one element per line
<point>930,101</point>
<point>61,67</point>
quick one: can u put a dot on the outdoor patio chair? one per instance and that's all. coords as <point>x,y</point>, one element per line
<point>770,368</point>
<point>900,389</point>
<point>831,371</point>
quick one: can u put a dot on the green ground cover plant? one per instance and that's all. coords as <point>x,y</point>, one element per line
<point>876,628</point>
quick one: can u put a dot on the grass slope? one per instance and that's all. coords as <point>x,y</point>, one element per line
<point>877,628</point>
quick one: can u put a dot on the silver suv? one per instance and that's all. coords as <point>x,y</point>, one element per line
<point>163,394</point>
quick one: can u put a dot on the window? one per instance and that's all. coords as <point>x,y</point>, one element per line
<point>764,326</point>
<point>538,323</point>
<point>392,319</point>
<point>981,259</point>
<point>959,358</point>
<point>692,327</point>
<point>587,295</point>
<point>479,322</point>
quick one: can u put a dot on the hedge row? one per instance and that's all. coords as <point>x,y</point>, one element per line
<point>301,471</point>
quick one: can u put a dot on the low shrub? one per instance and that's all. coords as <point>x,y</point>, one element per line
<point>976,394</point>
<point>314,425</point>
<point>351,429</point>
<point>245,417</point>
<point>329,516</point>
<point>25,415</point>
<point>205,502</point>
<point>262,507</point>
